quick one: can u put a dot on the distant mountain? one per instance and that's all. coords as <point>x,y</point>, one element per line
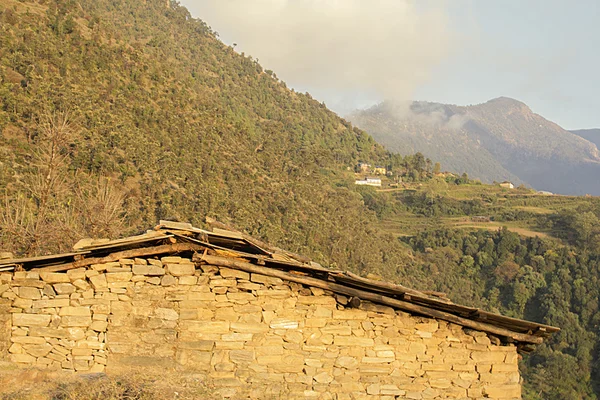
<point>495,141</point>
<point>593,135</point>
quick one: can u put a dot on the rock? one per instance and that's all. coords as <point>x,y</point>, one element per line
<point>241,356</point>
<point>168,280</point>
<point>48,290</point>
<point>64,288</point>
<point>76,321</point>
<point>80,311</point>
<point>22,358</point>
<point>4,288</point>
<point>81,284</point>
<point>48,332</point>
<point>346,362</point>
<point>503,391</point>
<point>353,341</point>
<point>16,348</point>
<point>282,323</point>
<point>150,270</point>
<point>53,277</point>
<point>38,350</point>
<point>22,303</point>
<point>170,260</point>
<point>124,276</point>
<point>234,273</point>
<point>82,351</point>
<point>31,319</point>
<point>240,297</point>
<point>54,303</point>
<point>99,282</point>
<point>248,327</point>
<point>188,280</point>
<point>27,340</point>
<point>29,293</point>
<point>181,269</point>
<point>323,377</point>
<point>75,333</point>
<point>75,274</point>
<point>99,326</point>
<point>153,281</point>
<point>266,280</point>
<point>167,314</point>
<point>97,368</point>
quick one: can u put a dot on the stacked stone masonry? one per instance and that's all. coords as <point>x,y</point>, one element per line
<point>245,335</point>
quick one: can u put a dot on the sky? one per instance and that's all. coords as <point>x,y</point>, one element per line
<point>356,53</point>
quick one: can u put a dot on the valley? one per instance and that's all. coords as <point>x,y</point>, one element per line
<point>117,114</point>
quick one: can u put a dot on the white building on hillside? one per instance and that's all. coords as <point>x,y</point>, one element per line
<point>369,182</point>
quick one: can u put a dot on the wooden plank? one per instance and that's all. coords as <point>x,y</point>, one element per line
<point>256,242</point>
<point>182,226</point>
<point>386,287</point>
<point>41,258</point>
<point>445,305</point>
<point>237,253</point>
<point>376,298</point>
<point>227,233</point>
<point>115,244</point>
<point>522,324</point>
<point>299,266</point>
<point>142,252</point>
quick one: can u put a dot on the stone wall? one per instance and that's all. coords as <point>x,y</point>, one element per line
<point>5,318</point>
<point>245,335</point>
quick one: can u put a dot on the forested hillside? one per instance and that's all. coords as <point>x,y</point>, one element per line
<point>114,114</point>
<point>523,254</point>
<point>175,124</point>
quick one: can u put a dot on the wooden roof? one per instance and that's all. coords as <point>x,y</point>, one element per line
<point>227,247</point>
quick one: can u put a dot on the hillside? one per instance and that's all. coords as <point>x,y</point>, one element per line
<point>115,114</point>
<point>495,141</point>
<point>592,135</point>
<point>137,112</point>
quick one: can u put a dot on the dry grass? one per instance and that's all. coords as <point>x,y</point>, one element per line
<point>494,226</point>
<point>34,384</point>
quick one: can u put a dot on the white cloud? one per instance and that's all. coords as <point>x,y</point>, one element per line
<point>368,48</point>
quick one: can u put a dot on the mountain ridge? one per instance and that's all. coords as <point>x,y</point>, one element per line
<point>592,135</point>
<point>501,139</point>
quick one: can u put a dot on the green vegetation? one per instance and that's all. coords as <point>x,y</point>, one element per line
<point>114,114</point>
<point>543,265</point>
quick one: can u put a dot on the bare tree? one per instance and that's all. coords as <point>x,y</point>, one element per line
<point>100,208</point>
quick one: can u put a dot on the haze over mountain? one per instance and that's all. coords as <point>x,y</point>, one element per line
<point>593,135</point>
<point>499,140</point>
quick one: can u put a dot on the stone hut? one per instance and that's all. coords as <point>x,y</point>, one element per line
<point>252,321</point>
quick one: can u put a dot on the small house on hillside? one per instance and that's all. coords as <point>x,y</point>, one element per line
<point>369,182</point>
<point>363,167</point>
<point>379,170</point>
<point>252,320</point>
<point>507,185</point>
